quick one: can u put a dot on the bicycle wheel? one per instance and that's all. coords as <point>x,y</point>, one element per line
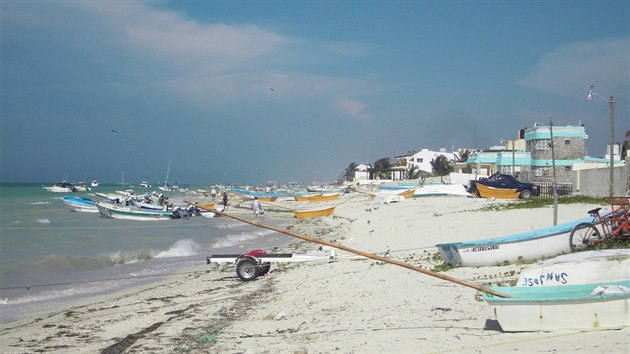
<point>584,235</point>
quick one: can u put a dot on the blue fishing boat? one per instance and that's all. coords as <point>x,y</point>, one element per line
<point>84,205</point>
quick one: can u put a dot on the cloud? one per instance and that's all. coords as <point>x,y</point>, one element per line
<point>569,69</point>
<point>353,108</point>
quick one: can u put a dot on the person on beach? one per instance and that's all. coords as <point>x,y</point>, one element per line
<point>213,193</point>
<point>225,201</point>
<point>257,207</point>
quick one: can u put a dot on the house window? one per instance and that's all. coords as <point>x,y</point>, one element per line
<point>567,168</point>
<point>538,172</point>
<point>419,159</point>
<point>567,142</point>
<point>543,144</point>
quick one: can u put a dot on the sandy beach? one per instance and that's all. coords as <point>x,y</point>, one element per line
<point>349,305</point>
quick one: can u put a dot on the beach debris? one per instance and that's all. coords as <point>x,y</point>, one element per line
<point>208,338</point>
<point>280,315</point>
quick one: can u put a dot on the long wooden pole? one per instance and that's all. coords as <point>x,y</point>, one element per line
<point>366,254</point>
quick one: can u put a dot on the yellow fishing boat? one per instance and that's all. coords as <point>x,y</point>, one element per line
<point>306,197</point>
<point>206,206</point>
<point>498,193</point>
<point>314,213</point>
<point>408,194</point>
<point>324,197</point>
<point>267,199</point>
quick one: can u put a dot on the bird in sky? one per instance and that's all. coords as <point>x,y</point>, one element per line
<point>113,131</point>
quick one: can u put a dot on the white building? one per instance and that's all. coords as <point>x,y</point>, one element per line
<point>422,159</point>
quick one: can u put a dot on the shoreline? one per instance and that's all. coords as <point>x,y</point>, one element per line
<point>348,305</point>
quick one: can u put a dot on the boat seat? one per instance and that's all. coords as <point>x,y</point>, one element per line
<point>594,211</point>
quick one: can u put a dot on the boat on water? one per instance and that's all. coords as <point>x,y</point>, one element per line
<point>127,213</point>
<point>594,266</point>
<point>61,187</point>
<point>484,191</point>
<point>94,183</point>
<point>82,187</point>
<point>314,212</point>
<point>166,187</point>
<point>545,242</point>
<point>584,307</point>
<point>84,205</point>
<point>144,184</point>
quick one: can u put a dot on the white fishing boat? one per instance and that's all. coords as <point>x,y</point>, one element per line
<point>607,265</point>
<point>94,183</point>
<point>144,184</point>
<point>166,187</point>
<point>84,205</point>
<point>583,307</point>
<point>442,190</point>
<point>127,213</point>
<point>61,187</point>
<point>536,244</point>
<point>81,187</point>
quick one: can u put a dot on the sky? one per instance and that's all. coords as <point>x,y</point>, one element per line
<point>247,92</point>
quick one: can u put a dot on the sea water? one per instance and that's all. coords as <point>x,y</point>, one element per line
<point>50,254</point>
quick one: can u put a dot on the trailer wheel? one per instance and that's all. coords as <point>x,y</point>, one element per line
<point>247,269</point>
<point>264,268</point>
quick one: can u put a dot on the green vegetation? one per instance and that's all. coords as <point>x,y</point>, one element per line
<point>543,203</point>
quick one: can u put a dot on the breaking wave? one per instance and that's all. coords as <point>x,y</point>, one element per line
<point>236,239</point>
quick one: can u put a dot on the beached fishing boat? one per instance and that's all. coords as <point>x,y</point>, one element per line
<point>202,206</point>
<point>265,198</point>
<point>407,194</point>
<point>84,205</point>
<point>585,307</point>
<point>607,265</point>
<point>442,190</point>
<point>314,213</point>
<point>498,193</point>
<point>307,197</point>
<point>546,242</point>
<point>127,213</point>
<point>324,197</point>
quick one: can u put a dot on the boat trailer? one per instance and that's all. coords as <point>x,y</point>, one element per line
<point>251,265</point>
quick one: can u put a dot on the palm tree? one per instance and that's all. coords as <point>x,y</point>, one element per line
<point>349,174</point>
<point>412,172</point>
<point>441,166</point>
<point>382,168</point>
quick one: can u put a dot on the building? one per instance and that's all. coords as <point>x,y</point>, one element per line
<point>531,157</point>
<point>422,159</point>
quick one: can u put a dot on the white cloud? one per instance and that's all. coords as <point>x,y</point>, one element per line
<point>353,108</point>
<point>569,69</point>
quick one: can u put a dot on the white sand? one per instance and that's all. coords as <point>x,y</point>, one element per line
<point>351,305</point>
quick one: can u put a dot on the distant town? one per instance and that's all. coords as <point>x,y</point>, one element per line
<point>540,154</point>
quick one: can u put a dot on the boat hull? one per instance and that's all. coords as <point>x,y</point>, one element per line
<point>498,193</point>
<point>314,213</point>
<point>83,205</point>
<point>527,246</point>
<point>571,307</point>
<point>126,213</point>
<point>307,197</point>
<point>578,268</point>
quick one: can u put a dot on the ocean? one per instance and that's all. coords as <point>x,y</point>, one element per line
<point>50,254</point>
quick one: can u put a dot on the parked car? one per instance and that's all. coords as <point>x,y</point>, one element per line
<point>499,180</point>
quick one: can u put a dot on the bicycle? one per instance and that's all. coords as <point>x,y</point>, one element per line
<point>611,225</point>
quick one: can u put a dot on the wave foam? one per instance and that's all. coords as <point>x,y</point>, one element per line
<point>181,248</point>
